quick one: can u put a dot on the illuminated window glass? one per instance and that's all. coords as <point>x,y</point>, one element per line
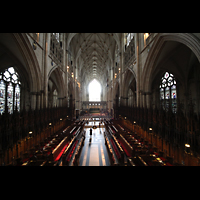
<point>17,96</point>
<point>9,90</point>
<point>168,94</point>
<point>94,91</point>
<point>2,96</point>
<point>10,97</point>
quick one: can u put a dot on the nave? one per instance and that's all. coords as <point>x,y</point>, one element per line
<point>149,83</point>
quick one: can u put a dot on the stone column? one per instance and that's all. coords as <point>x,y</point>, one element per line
<point>65,64</point>
<point>38,95</point>
<point>148,99</point>
<point>45,84</point>
<point>113,81</point>
<point>74,86</point>
<point>67,80</point>
<point>138,102</point>
<point>144,100</point>
<point>33,100</point>
<point>121,65</point>
<point>41,98</point>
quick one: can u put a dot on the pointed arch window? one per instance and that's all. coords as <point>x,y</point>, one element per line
<point>168,93</point>
<point>10,89</point>
<point>94,91</point>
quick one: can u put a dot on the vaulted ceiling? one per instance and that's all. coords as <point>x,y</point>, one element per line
<point>94,53</point>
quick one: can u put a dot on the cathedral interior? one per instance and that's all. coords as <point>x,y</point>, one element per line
<point>100,99</point>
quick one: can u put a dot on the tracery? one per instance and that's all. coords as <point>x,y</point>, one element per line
<point>9,90</point>
<point>168,94</point>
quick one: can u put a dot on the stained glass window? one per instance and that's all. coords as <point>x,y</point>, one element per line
<point>2,96</point>
<point>9,90</point>
<point>168,93</point>
<point>17,96</point>
<point>10,97</point>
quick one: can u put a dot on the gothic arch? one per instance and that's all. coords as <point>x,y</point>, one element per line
<point>187,39</point>
<point>18,47</point>
<point>129,76</point>
<point>57,78</point>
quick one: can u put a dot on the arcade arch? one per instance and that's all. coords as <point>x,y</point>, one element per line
<point>56,93</point>
<point>177,56</point>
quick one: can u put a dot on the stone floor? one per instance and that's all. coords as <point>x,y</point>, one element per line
<point>94,153</point>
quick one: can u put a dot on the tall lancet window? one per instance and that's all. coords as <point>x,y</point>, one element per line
<point>168,94</point>
<point>9,90</point>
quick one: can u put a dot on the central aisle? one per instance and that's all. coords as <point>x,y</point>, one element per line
<point>94,153</point>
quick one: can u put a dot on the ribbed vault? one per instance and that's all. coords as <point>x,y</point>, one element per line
<point>95,54</point>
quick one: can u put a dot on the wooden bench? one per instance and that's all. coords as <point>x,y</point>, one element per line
<point>126,145</point>
<point>78,152</point>
<point>57,152</point>
<point>117,147</point>
<point>111,155</point>
<point>67,155</point>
